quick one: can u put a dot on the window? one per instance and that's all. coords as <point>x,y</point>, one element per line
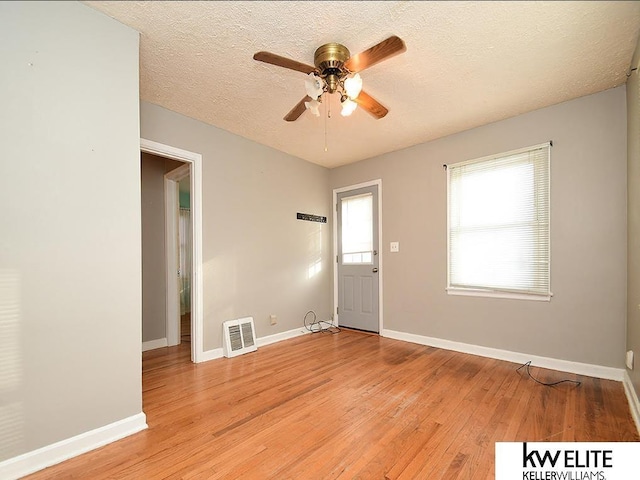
<point>357,229</point>
<point>498,211</point>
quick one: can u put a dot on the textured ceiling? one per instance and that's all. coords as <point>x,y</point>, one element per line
<point>467,64</point>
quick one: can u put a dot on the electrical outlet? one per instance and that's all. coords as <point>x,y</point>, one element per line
<point>629,360</point>
<point>273,319</point>
<point>395,246</point>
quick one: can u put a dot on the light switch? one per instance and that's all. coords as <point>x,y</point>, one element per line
<point>395,246</point>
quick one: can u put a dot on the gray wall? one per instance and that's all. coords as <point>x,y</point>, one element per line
<point>585,320</point>
<point>70,247</point>
<point>633,215</point>
<point>154,285</point>
<point>256,255</point>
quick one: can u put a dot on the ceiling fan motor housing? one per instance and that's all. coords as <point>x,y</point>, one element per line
<point>329,60</point>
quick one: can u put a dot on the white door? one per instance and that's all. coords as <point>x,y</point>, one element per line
<point>358,260</point>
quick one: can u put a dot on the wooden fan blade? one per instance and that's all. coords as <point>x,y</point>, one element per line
<point>273,59</point>
<point>383,50</point>
<point>371,105</point>
<point>297,110</point>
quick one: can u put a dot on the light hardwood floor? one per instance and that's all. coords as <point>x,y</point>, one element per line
<point>185,327</point>
<point>349,405</point>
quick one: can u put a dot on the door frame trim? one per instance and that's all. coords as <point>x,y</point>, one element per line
<point>195,159</point>
<point>336,191</point>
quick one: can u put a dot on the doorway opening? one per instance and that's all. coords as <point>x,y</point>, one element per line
<point>190,174</point>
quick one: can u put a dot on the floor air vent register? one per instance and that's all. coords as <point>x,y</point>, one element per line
<point>239,337</point>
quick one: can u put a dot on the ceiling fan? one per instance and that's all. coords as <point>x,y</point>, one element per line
<point>336,71</point>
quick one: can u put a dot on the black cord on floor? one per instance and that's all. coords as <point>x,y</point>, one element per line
<point>528,365</point>
<point>318,326</point>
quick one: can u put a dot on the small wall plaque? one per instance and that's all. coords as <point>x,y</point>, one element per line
<point>311,218</point>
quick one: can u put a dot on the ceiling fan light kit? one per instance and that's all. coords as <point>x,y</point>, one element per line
<point>314,106</point>
<point>336,71</point>
<point>353,85</point>
<point>348,106</point>
<point>314,86</point>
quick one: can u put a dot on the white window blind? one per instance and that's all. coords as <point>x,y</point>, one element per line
<point>357,229</point>
<point>499,223</point>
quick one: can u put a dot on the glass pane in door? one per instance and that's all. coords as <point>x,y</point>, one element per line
<point>357,229</point>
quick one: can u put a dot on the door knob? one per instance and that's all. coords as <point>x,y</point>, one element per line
<point>375,270</point>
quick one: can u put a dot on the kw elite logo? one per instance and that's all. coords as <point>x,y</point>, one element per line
<point>566,461</point>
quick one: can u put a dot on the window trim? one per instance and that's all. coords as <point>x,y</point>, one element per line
<point>473,292</point>
<point>493,292</point>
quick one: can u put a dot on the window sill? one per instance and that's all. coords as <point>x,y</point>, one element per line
<point>498,294</point>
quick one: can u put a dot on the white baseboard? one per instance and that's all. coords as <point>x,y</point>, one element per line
<point>153,344</point>
<point>278,337</point>
<point>589,370</point>
<point>632,397</point>
<point>260,342</point>
<point>44,457</point>
<point>210,355</point>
